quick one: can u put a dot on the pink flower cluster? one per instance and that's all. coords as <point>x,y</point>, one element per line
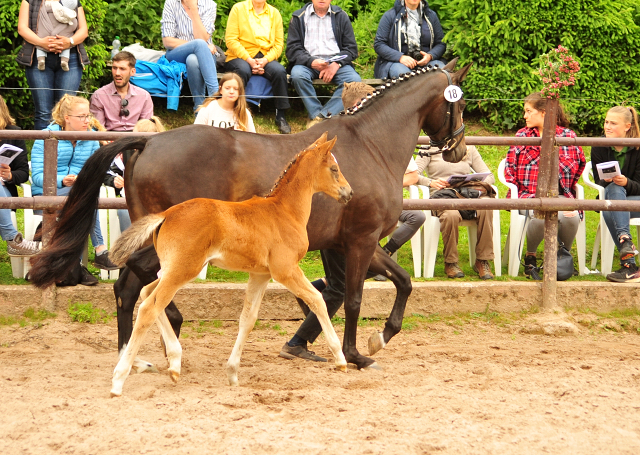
<point>557,70</point>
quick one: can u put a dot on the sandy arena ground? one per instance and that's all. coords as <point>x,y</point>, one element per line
<point>447,388</point>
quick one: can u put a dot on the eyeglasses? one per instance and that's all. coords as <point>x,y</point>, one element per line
<point>84,118</point>
<point>124,112</point>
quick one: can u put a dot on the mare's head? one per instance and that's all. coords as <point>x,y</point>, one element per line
<point>328,178</point>
<point>443,123</point>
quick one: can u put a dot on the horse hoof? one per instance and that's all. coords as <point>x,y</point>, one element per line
<point>115,394</point>
<point>233,381</point>
<point>174,375</point>
<point>374,366</point>
<point>341,367</point>
<point>376,342</point>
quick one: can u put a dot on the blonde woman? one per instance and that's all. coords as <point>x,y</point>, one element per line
<point>228,107</point>
<point>621,122</point>
<point>115,176</point>
<point>11,175</point>
<point>71,113</point>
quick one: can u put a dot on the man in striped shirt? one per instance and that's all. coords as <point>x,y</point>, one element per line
<point>321,44</point>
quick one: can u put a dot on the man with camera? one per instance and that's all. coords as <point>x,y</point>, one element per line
<point>321,44</point>
<point>409,35</point>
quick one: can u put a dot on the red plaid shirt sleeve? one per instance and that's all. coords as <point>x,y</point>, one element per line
<point>521,166</point>
<point>571,161</point>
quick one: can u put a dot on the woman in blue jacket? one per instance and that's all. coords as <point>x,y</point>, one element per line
<point>71,114</point>
<point>409,35</point>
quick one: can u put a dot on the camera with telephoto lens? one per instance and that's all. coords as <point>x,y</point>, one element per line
<point>416,55</point>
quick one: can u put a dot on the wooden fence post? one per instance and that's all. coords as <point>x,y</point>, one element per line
<point>49,188</point>
<point>548,187</point>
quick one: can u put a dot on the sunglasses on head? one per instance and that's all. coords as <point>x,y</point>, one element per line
<point>124,112</point>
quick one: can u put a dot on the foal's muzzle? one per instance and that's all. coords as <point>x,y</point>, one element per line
<point>346,193</point>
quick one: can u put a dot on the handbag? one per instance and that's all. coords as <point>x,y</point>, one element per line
<point>466,190</point>
<point>564,265</point>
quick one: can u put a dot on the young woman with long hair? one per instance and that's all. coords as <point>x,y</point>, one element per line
<point>228,107</point>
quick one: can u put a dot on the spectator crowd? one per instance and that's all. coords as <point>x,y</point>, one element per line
<point>320,45</point>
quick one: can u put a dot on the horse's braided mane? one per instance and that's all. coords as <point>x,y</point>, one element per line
<point>287,169</point>
<point>381,89</point>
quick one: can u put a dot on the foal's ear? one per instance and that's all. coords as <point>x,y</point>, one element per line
<point>329,145</point>
<point>321,140</point>
<point>451,65</point>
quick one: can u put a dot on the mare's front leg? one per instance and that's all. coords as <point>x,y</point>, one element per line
<point>252,299</point>
<point>383,264</point>
<point>298,284</point>
<point>358,255</point>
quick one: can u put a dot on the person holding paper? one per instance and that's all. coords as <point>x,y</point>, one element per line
<point>522,170</point>
<point>255,39</point>
<point>319,34</point>
<point>620,122</point>
<point>11,175</point>
<point>408,35</point>
<point>438,172</point>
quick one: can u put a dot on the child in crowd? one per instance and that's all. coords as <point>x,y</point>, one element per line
<point>58,17</point>
<point>115,176</point>
<point>228,106</point>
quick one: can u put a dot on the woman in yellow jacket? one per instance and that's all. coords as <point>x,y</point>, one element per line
<point>255,39</point>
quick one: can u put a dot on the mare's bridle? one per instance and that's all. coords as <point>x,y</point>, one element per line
<point>452,140</point>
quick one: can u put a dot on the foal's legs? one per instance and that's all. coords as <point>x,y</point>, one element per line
<point>172,347</point>
<point>252,299</point>
<point>148,313</point>
<point>298,284</point>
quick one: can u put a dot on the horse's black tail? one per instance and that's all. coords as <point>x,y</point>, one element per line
<point>77,215</point>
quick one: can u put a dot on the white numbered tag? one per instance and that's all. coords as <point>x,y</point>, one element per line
<point>452,93</point>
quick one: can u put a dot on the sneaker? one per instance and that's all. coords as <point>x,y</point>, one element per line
<point>283,125</point>
<point>103,262</point>
<point>299,352</point>
<point>530,262</point>
<point>87,278</point>
<point>483,269</point>
<point>628,273</point>
<point>20,247</point>
<point>627,248</point>
<point>453,270</point>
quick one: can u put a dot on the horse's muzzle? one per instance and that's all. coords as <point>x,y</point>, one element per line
<point>346,193</point>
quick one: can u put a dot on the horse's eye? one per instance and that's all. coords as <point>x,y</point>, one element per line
<point>334,168</point>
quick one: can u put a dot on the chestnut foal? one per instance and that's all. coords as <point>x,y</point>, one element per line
<point>265,236</point>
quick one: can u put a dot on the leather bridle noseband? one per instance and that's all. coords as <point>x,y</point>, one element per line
<point>452,140</point>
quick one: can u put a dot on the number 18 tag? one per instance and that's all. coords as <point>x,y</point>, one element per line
<point>452,93</point>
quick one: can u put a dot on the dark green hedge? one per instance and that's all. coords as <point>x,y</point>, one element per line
<point>502,38</point>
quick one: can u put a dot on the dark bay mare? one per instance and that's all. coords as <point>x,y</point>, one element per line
<point>376,140</point>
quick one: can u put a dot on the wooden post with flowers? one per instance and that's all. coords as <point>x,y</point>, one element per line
<point>557,69</point>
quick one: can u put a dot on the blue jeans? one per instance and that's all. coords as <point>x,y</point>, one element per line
<point>96,233</point>
<point>7,229</point>
<point>48,86</point>
<point>396,69</point>
<point>124,219</point>
<point>201,68</point>
<point>618,222</point>
<point>302,79</point>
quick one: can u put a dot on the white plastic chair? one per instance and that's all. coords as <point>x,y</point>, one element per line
<point>432,235</point>
<point>110,227</point>
<point>416,240</point>
<point>518,228</point>
<point>603,238</point>
<point>31,221</point>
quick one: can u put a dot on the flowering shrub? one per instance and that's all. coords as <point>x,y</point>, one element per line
<point>557,70</point>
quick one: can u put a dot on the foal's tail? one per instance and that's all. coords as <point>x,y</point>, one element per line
<point>77,215</point>
<point>134,237</point>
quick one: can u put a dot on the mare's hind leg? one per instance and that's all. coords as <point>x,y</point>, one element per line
<point>383,264</point>
<point>253,297</point>
<point>297,283</point>
<point>148,313</point>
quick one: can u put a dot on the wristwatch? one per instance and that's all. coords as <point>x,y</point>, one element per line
<point>71,41</point>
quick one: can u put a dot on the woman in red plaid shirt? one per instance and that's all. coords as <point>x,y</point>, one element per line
<point>522,170</point>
